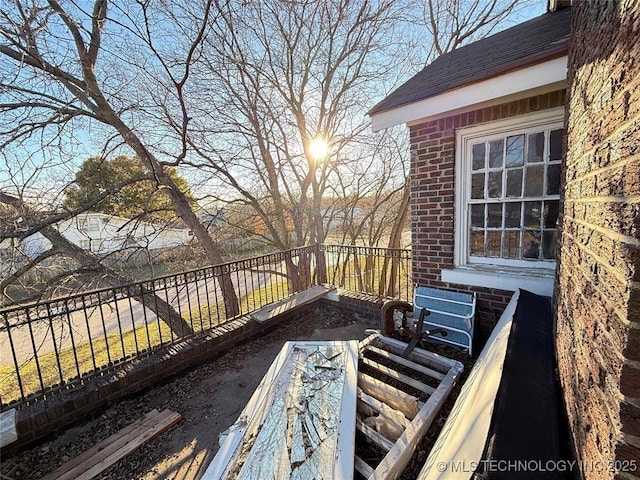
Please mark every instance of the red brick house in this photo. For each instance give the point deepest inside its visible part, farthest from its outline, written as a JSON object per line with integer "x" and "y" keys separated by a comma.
{"x": 503, "y": 199}
{"x": 485, "y": 126}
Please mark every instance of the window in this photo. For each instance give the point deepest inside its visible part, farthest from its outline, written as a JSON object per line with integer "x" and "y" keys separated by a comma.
{"x": 94, "y": 224}
{"x": 508, "y": 196}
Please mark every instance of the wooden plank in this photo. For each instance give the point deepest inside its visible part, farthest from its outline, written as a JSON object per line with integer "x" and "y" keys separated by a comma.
{"x": 407, "y": 363}
{"x": 407, "y": 380}
{"x": 377, "y": 439}
{"x": 382, "y": 408}
{"x": 303, "y": 421}
{"x": 290, "y": 303}
{"x": 100, "y": 457}
{"x": 395, "y": 461}
{"x": 419, "y": 355}
{"x": 407, "y": 404}
{"x": 363, "y": 467}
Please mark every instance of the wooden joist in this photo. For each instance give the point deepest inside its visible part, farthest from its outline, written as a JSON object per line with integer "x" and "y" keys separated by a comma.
{"x": 406, "y": 379}
{"x": 402, "y": 401}
{"x": 378, "y": 402}
{"x": 395, "y": 461}
{"x": 374, "y": 436}
{"x": 98, "y": 458}
{"x": 363, "y": 467}
{"x": 406, "y": 363}
{"x": 419, "y": 355}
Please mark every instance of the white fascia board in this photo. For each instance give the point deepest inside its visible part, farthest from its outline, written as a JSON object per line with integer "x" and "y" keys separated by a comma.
{"x": 536, "y": 77}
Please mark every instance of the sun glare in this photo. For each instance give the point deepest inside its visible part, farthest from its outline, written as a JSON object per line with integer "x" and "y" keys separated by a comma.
{"x": 319, "y": 148}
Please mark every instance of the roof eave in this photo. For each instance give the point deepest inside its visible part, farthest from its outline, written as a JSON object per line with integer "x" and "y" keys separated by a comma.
{"x": 533, "y": 77}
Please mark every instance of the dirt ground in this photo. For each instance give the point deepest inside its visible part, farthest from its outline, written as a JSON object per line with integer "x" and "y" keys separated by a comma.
{"x": 209, "y": 398}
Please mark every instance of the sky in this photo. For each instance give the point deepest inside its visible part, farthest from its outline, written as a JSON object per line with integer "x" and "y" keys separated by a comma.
{"x": 27, "y": 165}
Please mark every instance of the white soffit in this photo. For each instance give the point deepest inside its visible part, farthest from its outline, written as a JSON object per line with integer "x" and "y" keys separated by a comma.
{"x": 539, "y": 76}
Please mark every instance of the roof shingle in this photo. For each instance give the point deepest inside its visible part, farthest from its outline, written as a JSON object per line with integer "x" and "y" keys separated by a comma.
{"x": 534, "y": 41}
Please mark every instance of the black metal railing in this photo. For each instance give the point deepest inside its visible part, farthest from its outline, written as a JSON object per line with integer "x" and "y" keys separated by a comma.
{"x": 385, "y": 272}
{"x": 62, "y": 342}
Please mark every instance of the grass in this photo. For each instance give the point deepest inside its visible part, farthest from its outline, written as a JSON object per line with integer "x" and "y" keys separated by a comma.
{"x": 105, "y": 351}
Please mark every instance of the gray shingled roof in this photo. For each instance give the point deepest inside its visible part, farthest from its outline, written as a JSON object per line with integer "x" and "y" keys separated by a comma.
{"x": 539, "y": 39}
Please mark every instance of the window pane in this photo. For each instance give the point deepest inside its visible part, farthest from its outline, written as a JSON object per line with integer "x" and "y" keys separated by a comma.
{"x": 531, "y": 244}
{"x": 514, "y": 182}
{"x": 551, "y": 210}
{"x": 511, "y": 245}
{"x": 496, "y": 150}
{"x": 494, "y": 215}
{"x": 477, "y": 216}
{"x": 533, "y": 181}
{"x": 493, "y": 244}
{"x": 495, "y": 184}
{"x": 535, "y": 147}
{"x": 477, "y": 185}
{"x": 553, "y": 179}
{"x": 555, "y": 145}
{"x": 549, "y": 243}
{"x": 512, "y": 215}
{"x": 515, "y": 151}
{"x": 478, "y": 156}
{"x": 477, "y": 243}
{"x": 532, "y": 214}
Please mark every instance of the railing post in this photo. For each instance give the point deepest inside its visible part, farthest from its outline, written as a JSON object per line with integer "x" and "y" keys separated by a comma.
{"x": 321, "y": 264}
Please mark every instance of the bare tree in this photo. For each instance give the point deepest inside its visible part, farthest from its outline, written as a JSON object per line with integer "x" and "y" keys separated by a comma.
{"x": 453, "y": 23}
{"x": 88, "y": 263}
{"x": 280, "y": 75}
{"x": 54, "y": 79}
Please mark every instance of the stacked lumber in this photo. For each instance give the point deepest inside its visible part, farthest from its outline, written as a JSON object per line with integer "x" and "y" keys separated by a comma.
{"x": 395, "y": 409}
{"x": 100, "y": 457}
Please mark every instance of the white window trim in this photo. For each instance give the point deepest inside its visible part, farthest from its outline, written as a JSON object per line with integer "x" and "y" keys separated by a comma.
{"x": 495, "y": 275}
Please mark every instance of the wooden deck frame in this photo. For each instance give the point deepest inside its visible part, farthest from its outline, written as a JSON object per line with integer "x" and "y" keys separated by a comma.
{"x": 428, "y": 363}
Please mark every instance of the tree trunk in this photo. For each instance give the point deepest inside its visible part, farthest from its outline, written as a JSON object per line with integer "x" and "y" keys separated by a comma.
{"x": 390, "y": 289}
{"x": 148, "y": 299}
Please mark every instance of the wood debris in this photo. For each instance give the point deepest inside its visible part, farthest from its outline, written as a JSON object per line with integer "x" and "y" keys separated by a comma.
{"x": 100, "y": 457}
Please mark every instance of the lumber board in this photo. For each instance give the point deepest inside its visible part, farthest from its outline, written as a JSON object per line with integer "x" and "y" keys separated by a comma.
{"x": 381, "y": 408}
{"x": 100, "y": 457}
{"x": 407, "y": 380}
{"x": 407, "y": 404}
{"x": 407, "y": 363}
{"x": 419, "y": 355}
{"x": 395, "y": 461}
{"x": 363, "y": 467}
{"x": 290, "y": 303}
{"x": 377, "y": 439}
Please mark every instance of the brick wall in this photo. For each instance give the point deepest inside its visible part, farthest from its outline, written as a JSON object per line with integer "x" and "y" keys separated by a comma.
{"x": 433, "y": 196}
{"x": 597, "y": 288}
